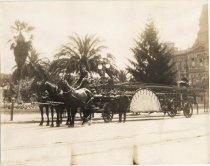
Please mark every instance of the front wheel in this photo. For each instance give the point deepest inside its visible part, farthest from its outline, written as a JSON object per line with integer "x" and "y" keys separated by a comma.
{"x": 188, "y": 110}
{"x": 107, "y": 113}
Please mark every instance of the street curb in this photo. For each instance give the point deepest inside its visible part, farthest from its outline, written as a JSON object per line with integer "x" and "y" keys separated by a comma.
{"x": 19, "y": 122}
{"x": 37, "y": 121}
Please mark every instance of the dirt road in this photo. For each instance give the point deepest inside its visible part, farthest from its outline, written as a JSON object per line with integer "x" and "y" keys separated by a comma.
{"x": 155, "y": 141}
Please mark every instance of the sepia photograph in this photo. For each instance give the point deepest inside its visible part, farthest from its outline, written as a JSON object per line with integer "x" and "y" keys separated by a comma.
{"x": 110, "y": 82}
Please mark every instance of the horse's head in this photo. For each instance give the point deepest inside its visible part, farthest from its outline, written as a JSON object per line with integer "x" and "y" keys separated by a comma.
{"x": 38, "y": 88}
{"x": 37, "y": 85}
{"x": 51, "y": 88}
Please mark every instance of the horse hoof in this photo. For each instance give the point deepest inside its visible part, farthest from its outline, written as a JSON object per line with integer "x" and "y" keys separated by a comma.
{"x": 40, "y": 124}
{"x": 58, "y": 125}
{"x": 70, "y": 125}
{"x": 47, "y": 124}
{"x": 85, "y": 124}
{"x": 52, "y": 125}
{"x": 90, "y": 123}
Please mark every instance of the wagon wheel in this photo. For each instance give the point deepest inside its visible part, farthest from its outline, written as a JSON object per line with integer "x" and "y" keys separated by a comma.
{"x": 188, "y": 110}
{"x": 107, "y": 113}
{"x": 172, "y": 110}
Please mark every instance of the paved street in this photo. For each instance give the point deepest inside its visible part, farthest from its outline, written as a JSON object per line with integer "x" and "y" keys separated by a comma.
{"x": 149, "y": 140}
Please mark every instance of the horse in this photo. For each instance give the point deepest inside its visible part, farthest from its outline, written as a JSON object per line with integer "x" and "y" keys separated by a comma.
{"x": 74, "y": 99}
{"x": 122, "y": 106}
{"x": 57, "y": 102}
{"x": 42, "y": 97}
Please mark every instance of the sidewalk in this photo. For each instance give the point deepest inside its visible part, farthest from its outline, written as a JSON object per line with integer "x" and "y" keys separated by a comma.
{"x": 21, "y": 118}
{"x": 33, "y": 116}
{"x": 24, "y": 116}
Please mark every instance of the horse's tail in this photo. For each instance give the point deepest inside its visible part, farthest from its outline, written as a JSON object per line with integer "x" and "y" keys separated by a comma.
{"x": 89, "y": 94}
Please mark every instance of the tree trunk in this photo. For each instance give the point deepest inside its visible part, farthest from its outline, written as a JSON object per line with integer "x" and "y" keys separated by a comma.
{"x": 19, "y": 83}
{"x": 18, "y": 92}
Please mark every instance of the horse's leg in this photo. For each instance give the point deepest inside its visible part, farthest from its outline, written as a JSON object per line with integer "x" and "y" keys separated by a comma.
{"x": 42, "y": 117}
{"x": 120, "y": 117}
{"x": 124, "y": 118}
{"x": 91, "y": 114}
{"x": 85, "y": 118}
{"x": 73, "y": 113}
{"x": 52, "y": 116}
{"x": 61, "y": 114}
{"x": 73, "y": 117}
{"x": 68, "y": 116}
{"x": 47, "y": 112}
{"x": 58, "y": 116}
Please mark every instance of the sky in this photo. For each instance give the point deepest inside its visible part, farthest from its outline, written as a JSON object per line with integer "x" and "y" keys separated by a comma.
{"x": 117, "y": 23}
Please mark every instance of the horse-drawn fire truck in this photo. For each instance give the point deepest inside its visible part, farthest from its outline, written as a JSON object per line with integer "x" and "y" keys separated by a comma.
{"x": 143, "y": 98}
{"x": 126, "y": 97}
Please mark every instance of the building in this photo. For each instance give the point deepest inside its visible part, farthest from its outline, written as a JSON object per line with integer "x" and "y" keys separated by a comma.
{"x": 193, "y": 63}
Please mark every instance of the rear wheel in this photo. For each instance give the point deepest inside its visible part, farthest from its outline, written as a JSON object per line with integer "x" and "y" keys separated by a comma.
{"x": 107, "y": 112}
{"x": 188, "y": 109}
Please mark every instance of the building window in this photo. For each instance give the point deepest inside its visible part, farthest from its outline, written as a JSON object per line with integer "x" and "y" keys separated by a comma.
{"x": 201, "y": 61}
{"x": 193, "y": 62}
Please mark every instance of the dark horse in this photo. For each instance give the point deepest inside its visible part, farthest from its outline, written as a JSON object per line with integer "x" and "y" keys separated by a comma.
{"x": 42, "y": 98}
{"x": 75, "y": 99}
{"x": 57, "y": 102}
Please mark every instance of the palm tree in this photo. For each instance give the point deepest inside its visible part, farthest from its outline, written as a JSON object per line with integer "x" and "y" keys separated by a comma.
{"x": 78, "y": 54}
{"x": 122, "y": 76}
{"x": 20, "y": 46}
{"x": 34, "y": 68}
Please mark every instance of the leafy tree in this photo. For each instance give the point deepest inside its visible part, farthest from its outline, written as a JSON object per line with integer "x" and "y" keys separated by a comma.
{"x": 4, "y": 79}
{"x": 34, "y": 67}
{"x": 122, "y": 76}
{"x": 153, "y": 59}
{"x": 78, "y": 53}
{"x": 20, "y": 46}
